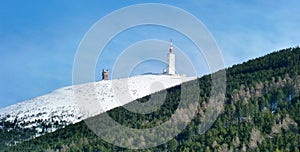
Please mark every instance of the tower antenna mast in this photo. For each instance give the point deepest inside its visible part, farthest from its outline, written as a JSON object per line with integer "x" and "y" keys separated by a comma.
{"x": 171, "y": 46}
{"x": 171, "y": 60}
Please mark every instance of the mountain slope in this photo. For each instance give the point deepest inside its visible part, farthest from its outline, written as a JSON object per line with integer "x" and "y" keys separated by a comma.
{"x": 261, "y": 113}
{"x": 60, "y": 108}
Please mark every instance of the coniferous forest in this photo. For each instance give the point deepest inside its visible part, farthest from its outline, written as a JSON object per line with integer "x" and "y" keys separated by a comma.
{"x": 261, "y": 112}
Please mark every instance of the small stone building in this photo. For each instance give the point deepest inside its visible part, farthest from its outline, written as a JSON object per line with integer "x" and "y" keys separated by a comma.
{"x": 104, "y": 74}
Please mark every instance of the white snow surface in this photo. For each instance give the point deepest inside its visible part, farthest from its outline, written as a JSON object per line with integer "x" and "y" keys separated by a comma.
{"x": 74, "y": 103}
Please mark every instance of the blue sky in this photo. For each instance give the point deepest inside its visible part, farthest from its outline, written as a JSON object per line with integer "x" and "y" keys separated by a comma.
{"x": 38, "y": 39}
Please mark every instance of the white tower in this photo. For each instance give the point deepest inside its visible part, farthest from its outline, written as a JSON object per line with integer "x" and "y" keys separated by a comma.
{"x": 171, "y": 66}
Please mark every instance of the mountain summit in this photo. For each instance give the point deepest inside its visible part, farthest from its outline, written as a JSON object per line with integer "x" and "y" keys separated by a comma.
{"x": 260, "y": 113}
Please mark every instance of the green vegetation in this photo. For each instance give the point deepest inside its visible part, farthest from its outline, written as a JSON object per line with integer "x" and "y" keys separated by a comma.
{"x": 261, "y": 113}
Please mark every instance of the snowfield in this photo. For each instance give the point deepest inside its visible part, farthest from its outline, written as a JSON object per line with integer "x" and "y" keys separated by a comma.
{"x": 72, "y": 104}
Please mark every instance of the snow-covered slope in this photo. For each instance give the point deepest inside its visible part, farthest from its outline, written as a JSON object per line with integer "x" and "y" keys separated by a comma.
{"x": 62, "y": 106}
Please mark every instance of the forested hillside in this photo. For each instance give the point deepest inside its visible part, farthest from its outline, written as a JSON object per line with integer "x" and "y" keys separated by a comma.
{"x": 261, "y": 113}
